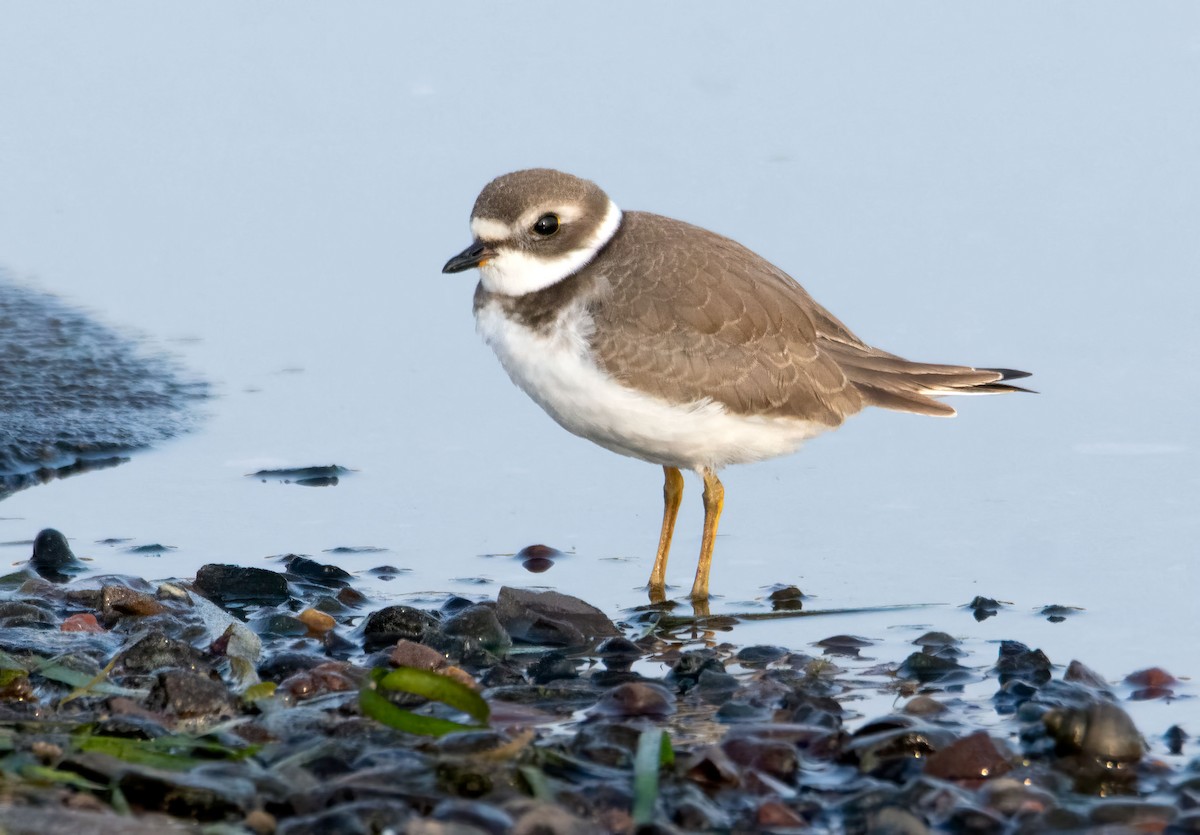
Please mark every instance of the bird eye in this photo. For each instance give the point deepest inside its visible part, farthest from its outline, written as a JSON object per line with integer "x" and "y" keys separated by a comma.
{"x": 546, "y": 225}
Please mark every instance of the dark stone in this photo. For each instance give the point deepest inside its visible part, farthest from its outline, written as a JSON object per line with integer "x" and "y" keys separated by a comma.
{"x": 362, "y": 817}
{"x": 538, "y": 552}
{"x": 116, "y": 601}
{"x": 481, "y": 816}
{"x": 635, "y": 698}
{"x": 687, "y": 669}
{"x": 1175, "y": 738}
{"x": 1017, "y": 661}
{"x": 479, "y": 627}
{"x": 1080, "y": 673}
{"x": 329, "y": 576}
{"x": 501, "y": 675}
{"x": 46, "y": 819}
{"x": 930, "y": 669}
{"x": 1099, "y": 730}
{"x": 552, "y": 666}
{"x": 551, "y": 618}
{"x": 973, "y": 757}
{"x": 619, "y": 653}
{"x": 278, "y": 666}
{"x": 774, "y": 757}
{"x": 393, "y": 623}
{"x": 156, "y": 651}
{"x": 52, "y": 557}
{"x": 187, "y": 794}
{"x": 715, "y": 686}
{"x": 14, "y": 613}
{"x": 610, "y": 743}
{"x": 190, "y": 696}
{"x": 984, "y": 607}
{"x": 760, "y": 654}
{"x": 238, "y": 584}
{"x": 847, "y": 646}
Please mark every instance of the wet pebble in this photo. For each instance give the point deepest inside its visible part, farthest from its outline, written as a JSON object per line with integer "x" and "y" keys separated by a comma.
{"x": 551, "y": 618}
{"x": 481, "y": 816}
{"x": 189, "y": 695}
{"x": 1017, "y": 661}
{"x": 239, "y": 584}
{"x": 847, "y": 646}
{"x": 52, "y": 557}
{"x": 393, "y": 623}
{"x": 686, "y": 670}
{"x": 759, "y": 654}
{"x": 321, "y": 574}
{"x": 984, "y": 607}
{"x": 932, "y": 669}
{"x": 479, "y": 627}
{"x": 116, "y": 601}
{"x": 552, "y": 666}
{"x": 635, "y": 698}
{"x": 156, "y": 651}
{"x": 976, "y": 756}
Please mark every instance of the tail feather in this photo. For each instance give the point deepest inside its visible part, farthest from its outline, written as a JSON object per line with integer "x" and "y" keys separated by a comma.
{"x": 891, "y": 382}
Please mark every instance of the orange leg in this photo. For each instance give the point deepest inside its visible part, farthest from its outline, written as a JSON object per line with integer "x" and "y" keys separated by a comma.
{"x": 714, "y": 503}
{"x": 672, "y": 496}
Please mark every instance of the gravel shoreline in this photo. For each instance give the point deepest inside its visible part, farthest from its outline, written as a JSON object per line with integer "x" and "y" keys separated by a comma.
{"x": 249, "y": 700}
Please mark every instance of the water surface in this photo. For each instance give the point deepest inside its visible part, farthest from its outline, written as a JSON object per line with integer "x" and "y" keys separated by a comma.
{"x": 269, "y": 194}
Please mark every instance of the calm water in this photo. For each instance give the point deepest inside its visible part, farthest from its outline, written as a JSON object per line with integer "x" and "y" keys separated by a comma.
{"x": 268, "y": 193}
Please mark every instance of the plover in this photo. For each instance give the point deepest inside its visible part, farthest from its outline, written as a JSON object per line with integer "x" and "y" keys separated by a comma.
{"x": 669, "y": 343}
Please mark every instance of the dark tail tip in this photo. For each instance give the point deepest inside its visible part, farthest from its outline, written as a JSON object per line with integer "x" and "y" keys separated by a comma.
{"x": 1009, "y": 373}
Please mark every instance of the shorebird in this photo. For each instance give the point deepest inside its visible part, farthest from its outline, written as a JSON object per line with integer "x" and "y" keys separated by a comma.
{"x": 663, "y": 341}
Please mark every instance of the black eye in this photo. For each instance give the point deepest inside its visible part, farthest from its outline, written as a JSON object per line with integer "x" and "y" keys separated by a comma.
{"x": 546, "y": 225}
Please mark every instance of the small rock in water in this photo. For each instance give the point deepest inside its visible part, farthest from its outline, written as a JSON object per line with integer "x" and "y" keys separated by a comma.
{"x": 238, "y": 584}
{"x": 1057, "y": 614}
{"x": 1151, "y": 683}
{"x": 393, "y": 623}
{"x": 930, "y": 669}
{"x": 479, "y": 627}
{"x": 846, "y": 646}
{"x": 321, "y": 574}
{"x": 1175, "y": 738}
{"x": 635, "y": 698}
{"x": 190, "y": 696}
{"x": 553, "y": 666}
{"x": 1017, "y": 661}
{"x": 984, "y": 607}
{"x": 786, "y": 598}
{"x": 52, "y": 557}
{"x": 122, "y": 600}
{"x": 1080, "y": 673}
{"x": 974, "y": 757}
{"x": 550, "y": 617}
{"x": 539, "y": 552}
{"x": 759, "y": 654}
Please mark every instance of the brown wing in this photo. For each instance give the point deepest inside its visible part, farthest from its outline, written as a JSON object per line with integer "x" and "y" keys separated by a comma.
{"x": 691, "y": 315}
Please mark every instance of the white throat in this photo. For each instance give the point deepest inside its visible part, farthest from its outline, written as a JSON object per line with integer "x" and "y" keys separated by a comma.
{"x": 514, "y": 273}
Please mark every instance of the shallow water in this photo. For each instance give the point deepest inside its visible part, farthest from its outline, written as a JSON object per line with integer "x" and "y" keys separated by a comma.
{"x": 270, "y": 203}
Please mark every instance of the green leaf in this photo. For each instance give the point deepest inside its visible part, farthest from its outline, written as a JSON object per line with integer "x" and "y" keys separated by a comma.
{"x": 262, "y": 690}
{"x": 375, "y": 705}
{"x": 646, "y": 762}
{"x": 439, "y": 688}
{"x": 666, "y": 754}
{"x": 175, "y": 753}
{"x": 46, "y": 774}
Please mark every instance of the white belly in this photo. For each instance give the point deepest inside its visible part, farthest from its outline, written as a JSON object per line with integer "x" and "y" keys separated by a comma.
{"x": 557, "y": 371}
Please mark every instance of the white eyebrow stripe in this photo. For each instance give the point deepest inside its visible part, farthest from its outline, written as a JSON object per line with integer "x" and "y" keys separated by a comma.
{"x": 486, "y": 229}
